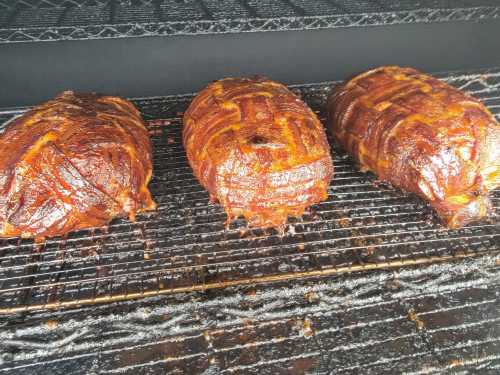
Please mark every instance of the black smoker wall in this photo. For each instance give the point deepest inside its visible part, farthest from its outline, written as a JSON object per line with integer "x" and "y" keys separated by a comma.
{"x": 136, "y": 67}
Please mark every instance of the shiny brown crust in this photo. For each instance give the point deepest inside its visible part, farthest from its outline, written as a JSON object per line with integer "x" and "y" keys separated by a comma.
{"x": 257, "y": 149}
{"x": 421, "y": 135}
{"x": 74, "y": 162}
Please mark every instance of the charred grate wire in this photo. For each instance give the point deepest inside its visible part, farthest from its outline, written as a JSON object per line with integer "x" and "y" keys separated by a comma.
{"x": 184, "y": 246}
{"x": 49, "y": 20}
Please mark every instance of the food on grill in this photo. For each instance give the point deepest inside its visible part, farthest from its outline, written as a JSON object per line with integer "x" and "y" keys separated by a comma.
{"x": 423, "y": 136}
{"x": 74, "y": 162}
{"x": 257, "y": 149}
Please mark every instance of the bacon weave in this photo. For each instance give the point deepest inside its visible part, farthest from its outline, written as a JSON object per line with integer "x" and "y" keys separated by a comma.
{"x": 73, "y": 162}
{"x": 423, "y": 136}
{"x": 257, "y": 149}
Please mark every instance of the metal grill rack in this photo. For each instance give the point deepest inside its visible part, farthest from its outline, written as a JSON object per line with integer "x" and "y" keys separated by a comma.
{"x": 46, "y": 20}
{"x": 428, "y": 319}
{"x": 184, "y": 246}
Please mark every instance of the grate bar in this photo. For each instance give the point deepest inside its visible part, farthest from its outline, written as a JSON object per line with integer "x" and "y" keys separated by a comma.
{"x": 222, "y": 218}
{"x": 399, "y": 261}
{"x": 80, "y": 20}
{"x": 322, "y": 241}
{"x": 241, "y": 282}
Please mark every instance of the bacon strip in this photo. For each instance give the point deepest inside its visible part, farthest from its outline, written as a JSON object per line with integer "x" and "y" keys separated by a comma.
{"x": 74, "y": 162}
{"x": 257, "y": 149}
{"x": 423, "y": 136}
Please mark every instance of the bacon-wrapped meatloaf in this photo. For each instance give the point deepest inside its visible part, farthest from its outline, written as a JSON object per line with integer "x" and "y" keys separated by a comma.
{"x": 74, "y": 162}
{"x": 421, "y": 135}
{"x": 257, "y": 149}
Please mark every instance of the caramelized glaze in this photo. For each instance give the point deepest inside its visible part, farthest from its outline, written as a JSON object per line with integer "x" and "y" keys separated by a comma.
{"x": 421, "y": 135}
{"x": 73, "y": 162}
{"x": 257, "y": 149}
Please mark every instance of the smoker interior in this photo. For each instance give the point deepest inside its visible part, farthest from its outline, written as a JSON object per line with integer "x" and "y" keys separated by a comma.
{"x": 184, "y": 245}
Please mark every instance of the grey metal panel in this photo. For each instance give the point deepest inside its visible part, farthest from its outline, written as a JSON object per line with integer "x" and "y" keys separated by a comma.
{"x": 140, "y": 67}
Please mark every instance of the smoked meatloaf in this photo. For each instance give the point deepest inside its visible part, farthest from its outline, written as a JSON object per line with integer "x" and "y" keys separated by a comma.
{"x": 421, "y": 135}
{"x": 257, "y": 149}
{"x": 74, "y": 162}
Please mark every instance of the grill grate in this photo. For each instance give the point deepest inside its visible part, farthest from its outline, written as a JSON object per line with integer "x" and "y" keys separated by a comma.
{"x": 183, "y": 246}
{"x": 418, "y": 320}
{"x": 45, "y": 20}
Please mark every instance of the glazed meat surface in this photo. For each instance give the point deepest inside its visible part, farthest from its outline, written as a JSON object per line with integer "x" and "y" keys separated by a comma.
{"x": 421, "y": 135}
{"x": 257, "y": 149}
{"x": 74, "y": 162}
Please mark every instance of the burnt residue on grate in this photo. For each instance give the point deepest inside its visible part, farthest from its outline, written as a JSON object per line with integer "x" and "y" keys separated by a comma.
{"x": 416, "y": 320}
{"x": 184, "y": 245}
